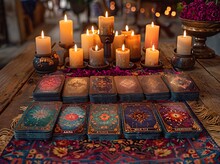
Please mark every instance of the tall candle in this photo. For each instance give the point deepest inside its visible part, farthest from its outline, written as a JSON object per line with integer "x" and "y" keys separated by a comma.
{"x": 43, "y": 44}
{"x": 133, "y": 42}
{"x": 151, "y": 35}
{"x": 66, "y": 31}
{"x": 96, "y": 56}
{"x": 97, "y": 40}
{"x": 184, "y": 44}
{"x": 117, "y": 43}
{"x": 122, "y": 57}
{"x": 151, "y": 56}
{"x": 76, "y": 57}
{"x": 106, "y": 24}
{"x": 127, "y": 31}
{"x": 86, "y": 43}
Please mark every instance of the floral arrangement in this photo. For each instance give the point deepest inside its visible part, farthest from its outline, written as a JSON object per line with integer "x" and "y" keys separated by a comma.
{"x": 200, "y": 10}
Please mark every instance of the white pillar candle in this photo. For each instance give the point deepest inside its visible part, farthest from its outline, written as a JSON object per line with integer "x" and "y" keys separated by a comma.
{"x": 96, "y": 56}
{"x": 106, "y": 24}
{"x": 86, "y": 43}
{"x": 117, "y": 43}
{"x": 151, "y": 35}
{"x": 151, "y": 56}
{"x": 133, "y": 42}
{"x": 184, "y": 44}
{"x": 66, "y": 31}
{"x": 126, "y": 32}
{"x": 76, "y": 57}
{"x": 43, "y": 44}
{"x": 122, "y": 57}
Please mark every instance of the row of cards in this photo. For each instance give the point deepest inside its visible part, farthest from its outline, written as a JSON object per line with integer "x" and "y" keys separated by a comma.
{"x": 109, "y": 89}
{"x": 44, "y": 120}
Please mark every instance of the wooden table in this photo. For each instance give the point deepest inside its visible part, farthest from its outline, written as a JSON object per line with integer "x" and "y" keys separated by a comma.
{"x": 18, "y": 80}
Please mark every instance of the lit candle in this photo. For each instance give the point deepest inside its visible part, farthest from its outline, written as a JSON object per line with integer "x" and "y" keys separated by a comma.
{"x": 96, "y": 56}
{"x": 151, "y": 56}
{"x": 43, "y": 44}
{"x": 86, "y": 43}
{"x": 117, "y": 43}
{"x": 133, "y": 42}
{"x": 126, "y": 32}
{"x": 66, "y": 31}
{"x": 122, "y": 57}
{"x": 106, "y": 24}
{"x": 76, "y": 57}
{"x": 96, "y": 39}
{"x": 184, "y": 44}
{"x": 151, "y": 35}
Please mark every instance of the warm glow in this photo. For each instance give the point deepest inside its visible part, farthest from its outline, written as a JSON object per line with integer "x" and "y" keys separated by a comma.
{"x": 42, "y": 34}
{"x": 123, "y": 47}
{"x": 152, "y": 24}
{"x": 153, "y": 48}
{"x": 75, "y": 47}
{"x": 106, "y": 14}
{"x": 87, "y": 32}
{"x": 98, "y": 31}
{"x": 168, "y": 8}
{"x": 65, "y": 18}
{"x": 96, "y": 48}
{"x": 126, "y": 28}
{"x": 166, "y": 12}
{"x": 142, "y": 10}
{"x": 157, "y": 14}
{"x": 116, "y": 33}
{"x": 184, "y": 33}
{"x": 133, "y": 8}
{"x": 132, "y": 33}
{"x": 173, "y": 13}
{"x": 93, "y": 31}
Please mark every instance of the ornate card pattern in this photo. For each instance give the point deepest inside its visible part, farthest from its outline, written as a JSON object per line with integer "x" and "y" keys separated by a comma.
{"x": 104, "y": 119}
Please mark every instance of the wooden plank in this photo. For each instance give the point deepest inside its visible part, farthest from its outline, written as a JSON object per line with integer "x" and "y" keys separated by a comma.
{"x": 15, "y": 74}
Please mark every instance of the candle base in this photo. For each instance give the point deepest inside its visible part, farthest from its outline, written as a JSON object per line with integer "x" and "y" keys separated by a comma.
{"x": 107, "y": 41}
{"x": 184, "y": 62}
{"x": 66, "y": 47}
{"x": 46, "y": 64}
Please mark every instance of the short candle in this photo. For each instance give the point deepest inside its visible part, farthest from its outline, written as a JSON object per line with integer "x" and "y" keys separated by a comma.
{"x": 122, "y": 57}
{"x": 151, "y": 56}
{"x": 106, "y": 24}
{"x": 184, "y": 44}
{"x": 96, "y": 56}
{"x": 43, "y": 44}
{"x": 117, "y": 43}
{"x": 76, "y": 57}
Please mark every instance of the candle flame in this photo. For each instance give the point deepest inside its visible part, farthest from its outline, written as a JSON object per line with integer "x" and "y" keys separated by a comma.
{"x": 153, "y": 48}
{"x": 106, "y": 14}
{"x": 132, "y": 33}
{"x": 184, "y": 33}
{"x": 126, "y": 28}
{"x": 65, "y": 18}
{"x": 93, "y": 31}
{"x": 42, "y": 34}
{"x": 75, "y": 47}
{"x": 96, "y": 48}
{"x": 98, "y": 31}
{"x": 123, "y": 47}
{"x": 152, "y": 24}
{"x": 87, "y": 32}
{"x": 116, "y": 33}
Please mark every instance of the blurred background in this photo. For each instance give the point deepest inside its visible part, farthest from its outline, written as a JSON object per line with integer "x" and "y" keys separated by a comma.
{"x": 22, "y": 20}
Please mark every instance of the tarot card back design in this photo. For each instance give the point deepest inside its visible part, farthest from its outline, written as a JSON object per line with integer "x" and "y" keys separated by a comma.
{"x": 154, "y": 87}
{"x": 104, "y": 122}
{"x": 177, "y": 120}
{"x": 140, "y": 121}
{"x": 72, "y": 122}
{"x": 76, "y": 89}
{"x": 102, "y": 89}
{"x": 38, "y": 120}
{"x": 182, "y": 87}
{"x": 128, "y": 88}
{"x": 49, "y": 88}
